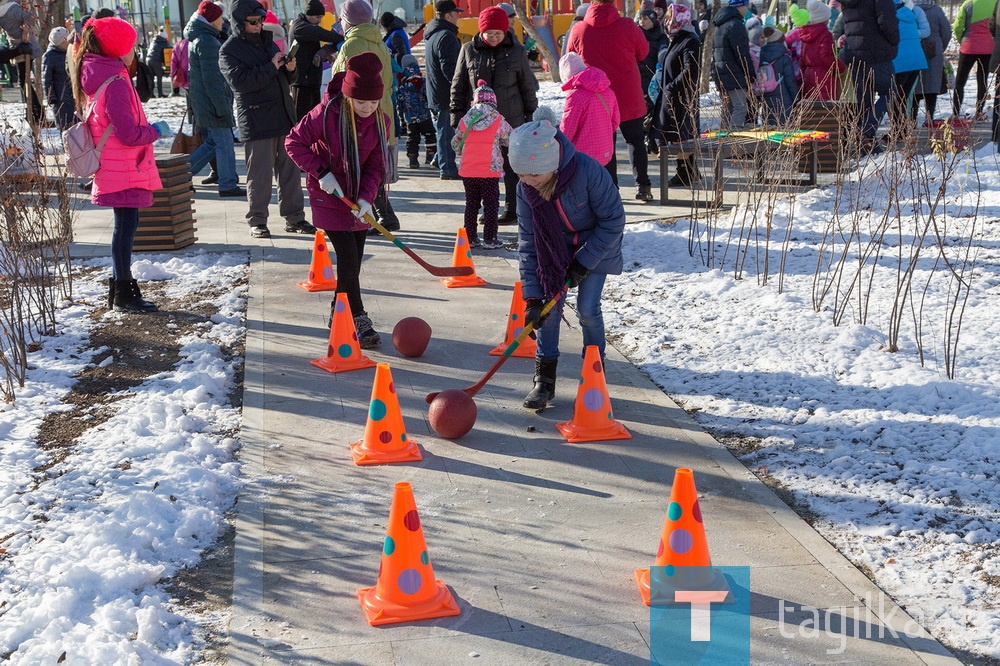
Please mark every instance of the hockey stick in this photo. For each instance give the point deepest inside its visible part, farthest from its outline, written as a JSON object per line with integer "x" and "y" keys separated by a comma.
{"x": 515, "y": 343}
{"x": 440, "y": 271}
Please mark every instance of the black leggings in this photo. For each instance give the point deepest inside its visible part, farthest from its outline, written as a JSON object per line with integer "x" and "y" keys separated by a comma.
{"x": 126, "y": 224}
{"x": 965, "y": 62}
{"x": 350, "y": 248}
{"x": 635, "y": 137}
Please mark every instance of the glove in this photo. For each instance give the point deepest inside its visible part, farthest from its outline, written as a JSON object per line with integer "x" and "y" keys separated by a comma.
{"x": 576, "y": 273}
{"x": 364, "y": 208}
{"x": 162, "y": 128}
{"x": 24, "y": 48}
{"x": 533, "y": 313}
{"x": 330, "y": 185}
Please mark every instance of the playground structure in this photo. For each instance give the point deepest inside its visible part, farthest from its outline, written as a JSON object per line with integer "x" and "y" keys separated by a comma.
{"x": 551, "y": 19}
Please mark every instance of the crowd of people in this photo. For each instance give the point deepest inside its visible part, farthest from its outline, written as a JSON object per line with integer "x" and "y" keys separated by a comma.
{"x": 473, "y": 114}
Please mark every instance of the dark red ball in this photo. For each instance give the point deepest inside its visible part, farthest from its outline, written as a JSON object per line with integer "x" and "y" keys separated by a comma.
{"x": 411, "y": 336}
{"x": 452, "y": 414}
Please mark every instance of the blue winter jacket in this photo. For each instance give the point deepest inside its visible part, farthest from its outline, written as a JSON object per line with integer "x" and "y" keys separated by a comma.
{"x": 593, "y": 210}
{"x": 910, "y": 56}
{"x": 779, "y": 101}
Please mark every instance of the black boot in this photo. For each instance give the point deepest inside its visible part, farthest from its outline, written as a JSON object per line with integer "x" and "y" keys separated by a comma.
{"x": 683, "y": 175}
{"x": 693, "y": 172}
{"x": 111, "y": 292}
{"x": 386, "y": 215}
{"x": 414, "y": 160}
{"x": 128, "y": 298}
{"x": 545, "y": 385}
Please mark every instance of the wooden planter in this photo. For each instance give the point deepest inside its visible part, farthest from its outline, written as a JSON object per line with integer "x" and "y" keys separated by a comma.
{"x": 169, "y": 223}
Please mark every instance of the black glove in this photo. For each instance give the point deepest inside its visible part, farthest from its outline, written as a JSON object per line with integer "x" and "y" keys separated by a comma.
{"x": 533, "y": 313}
{"x": 576, "y": 273}
{"x": 24, "y": 48}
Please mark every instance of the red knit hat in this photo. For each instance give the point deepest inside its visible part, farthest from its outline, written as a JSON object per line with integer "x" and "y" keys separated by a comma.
{"x": 209, "y": 10}
{"x": 363, "y": 79}
{"x": 115, "y": 36}
{"x": 493, "y": 18}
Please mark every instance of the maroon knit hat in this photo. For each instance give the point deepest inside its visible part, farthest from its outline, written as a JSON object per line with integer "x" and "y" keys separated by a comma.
{"x": 363, "y": 79}
{"x": 209, "y": 10}
{"x": 493, "y": 18}
{"x": 115, "y": 36}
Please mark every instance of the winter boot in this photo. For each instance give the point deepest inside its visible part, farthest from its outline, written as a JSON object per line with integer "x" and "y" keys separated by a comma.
{"x": 128, "y": 298}
{"x": 683, "y": 175}
{"x": 430, "y": 158}
{"x": 545, "y": 385}
{"x": 111, "y": 293}
{"x": 367, "y": 337}
{"x": 693, "y": 173}
{"x": 644, "y": 193}
{"x": 386, "y": 215}
{"x": 414, "y": 160}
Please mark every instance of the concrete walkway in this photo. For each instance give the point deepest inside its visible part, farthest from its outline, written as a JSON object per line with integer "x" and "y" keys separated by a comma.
{"x": 536, "y": 538}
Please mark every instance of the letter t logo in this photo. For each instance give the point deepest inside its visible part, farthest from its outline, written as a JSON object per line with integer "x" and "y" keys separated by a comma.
{"x": 701, "y": 603}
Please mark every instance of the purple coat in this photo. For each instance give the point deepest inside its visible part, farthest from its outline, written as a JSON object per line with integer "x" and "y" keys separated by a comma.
{"x": 314, "y": 145}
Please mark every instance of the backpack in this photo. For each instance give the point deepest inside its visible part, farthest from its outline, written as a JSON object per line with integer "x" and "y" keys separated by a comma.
{"x": 83, "y": 158}
{"x": 143, "y": 80}
{"x": 767, "y": 79}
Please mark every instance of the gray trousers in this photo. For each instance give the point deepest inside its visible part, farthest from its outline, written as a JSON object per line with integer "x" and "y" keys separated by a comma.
{"x": 265, "y": 157}
{"x": 736, "y": 111}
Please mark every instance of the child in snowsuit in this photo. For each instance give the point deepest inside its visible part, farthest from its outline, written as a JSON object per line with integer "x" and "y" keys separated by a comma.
{"x": 413, "y": 109}
{"x": 590, "y": 115}
{"x": 343, "y": 148}
{"x": 477, "y": 141}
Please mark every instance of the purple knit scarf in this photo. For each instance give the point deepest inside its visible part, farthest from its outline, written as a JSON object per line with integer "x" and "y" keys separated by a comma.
{"x": 550, "y": 244}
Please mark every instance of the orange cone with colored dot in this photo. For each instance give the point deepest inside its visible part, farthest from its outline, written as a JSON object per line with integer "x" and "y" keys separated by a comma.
{"x": 515, "y": 324}
{"x": 321, "y": 275}
{"x": 406, "y": 590}
{"x": 682, "y": 559}
{"x": 385, "y": 439}
{"x": 593, "y": 420}
{"x": 343, "y": 352}
{"x": 462, "y": 256}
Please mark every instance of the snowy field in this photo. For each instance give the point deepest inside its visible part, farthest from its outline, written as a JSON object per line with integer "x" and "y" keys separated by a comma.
{"x": 896, "y": 462}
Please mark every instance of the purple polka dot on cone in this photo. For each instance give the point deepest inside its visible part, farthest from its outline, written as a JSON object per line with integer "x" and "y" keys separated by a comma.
{"x": 593, "y": 399}
{"x": 681, "y": 541}
{"x": 409, "y": 581}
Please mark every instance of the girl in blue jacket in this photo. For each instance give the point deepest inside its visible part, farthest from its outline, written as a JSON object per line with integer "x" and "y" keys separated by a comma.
{"x": 570, "y": 226}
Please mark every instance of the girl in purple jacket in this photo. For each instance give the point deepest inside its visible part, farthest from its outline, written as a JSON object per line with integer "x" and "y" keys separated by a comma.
{"x": 341, "y": 145}
{"x": 127, "y": 175}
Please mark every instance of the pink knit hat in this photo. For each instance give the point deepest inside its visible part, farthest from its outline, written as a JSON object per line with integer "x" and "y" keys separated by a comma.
{"x": 484, "y": 94}
{"x": 115, "y": 36}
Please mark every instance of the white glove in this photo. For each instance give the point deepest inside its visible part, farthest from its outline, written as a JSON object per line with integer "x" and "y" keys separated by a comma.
{"x": 330, "y": 185}
{"x": 364, "y": 208}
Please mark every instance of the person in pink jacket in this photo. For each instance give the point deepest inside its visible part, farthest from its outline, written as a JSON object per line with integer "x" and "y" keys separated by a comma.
{"x": 127, "y": 175}
{"x": 342, "y": 145}
{"x": 615, "y": 44}
{"x": 590, "y": 115}
{"x": 820, "y": 67}
{"x": 478, "y": 139}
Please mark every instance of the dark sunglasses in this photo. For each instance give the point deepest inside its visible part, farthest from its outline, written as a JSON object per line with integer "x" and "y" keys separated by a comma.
{"x": 253, "y": 21}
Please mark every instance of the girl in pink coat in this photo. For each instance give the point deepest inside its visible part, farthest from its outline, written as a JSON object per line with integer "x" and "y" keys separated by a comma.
{"x": 820, "y": 67}
{"x": 478, "y": 138}
{"x": 590, "y": 116}
{"x": 127, "y": 175}
{"x": 342, "y": 146}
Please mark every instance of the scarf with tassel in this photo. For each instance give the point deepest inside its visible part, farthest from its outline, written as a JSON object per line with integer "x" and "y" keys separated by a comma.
{"x": 550, "y": 244}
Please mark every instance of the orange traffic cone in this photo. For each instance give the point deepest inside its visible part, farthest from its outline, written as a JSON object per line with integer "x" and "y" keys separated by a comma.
{"x": 592, "y": 419}
{"x": 343, "y": 352}
{"x": 321, "y": 276}
{"x": 385, "y": 438}
{"x": 515, "y": 324}
{"x": 682, "y": 559}
{"x": 406, "y": 590}
{"x": 462, "y": 256}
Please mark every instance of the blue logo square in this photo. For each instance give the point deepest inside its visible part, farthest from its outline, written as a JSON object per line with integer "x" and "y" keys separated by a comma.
{"x": 699, "y": 615}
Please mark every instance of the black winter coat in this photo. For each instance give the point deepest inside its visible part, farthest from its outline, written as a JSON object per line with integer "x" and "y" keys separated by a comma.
{"x": 871, "y": 30}
{"x": 308, "y": 37}
{"x": 154, "y": 56}
{"x": 58, "y": 88}
{"x": 440, "y": 57}
{"x": 657, "y": 39}
{"x": 264, "y": 108}
{"x": 676, "y": 115}
{"x": 505, "y": 69}
{"x": 732, "y": 67}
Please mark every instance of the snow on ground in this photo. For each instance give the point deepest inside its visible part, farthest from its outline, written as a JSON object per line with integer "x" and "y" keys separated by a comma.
{"x": 87, "y": 546}
{"x": 898, "y": 463}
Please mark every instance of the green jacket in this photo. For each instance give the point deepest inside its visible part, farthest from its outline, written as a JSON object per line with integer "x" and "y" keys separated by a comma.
{"x": 361, "y": 39}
